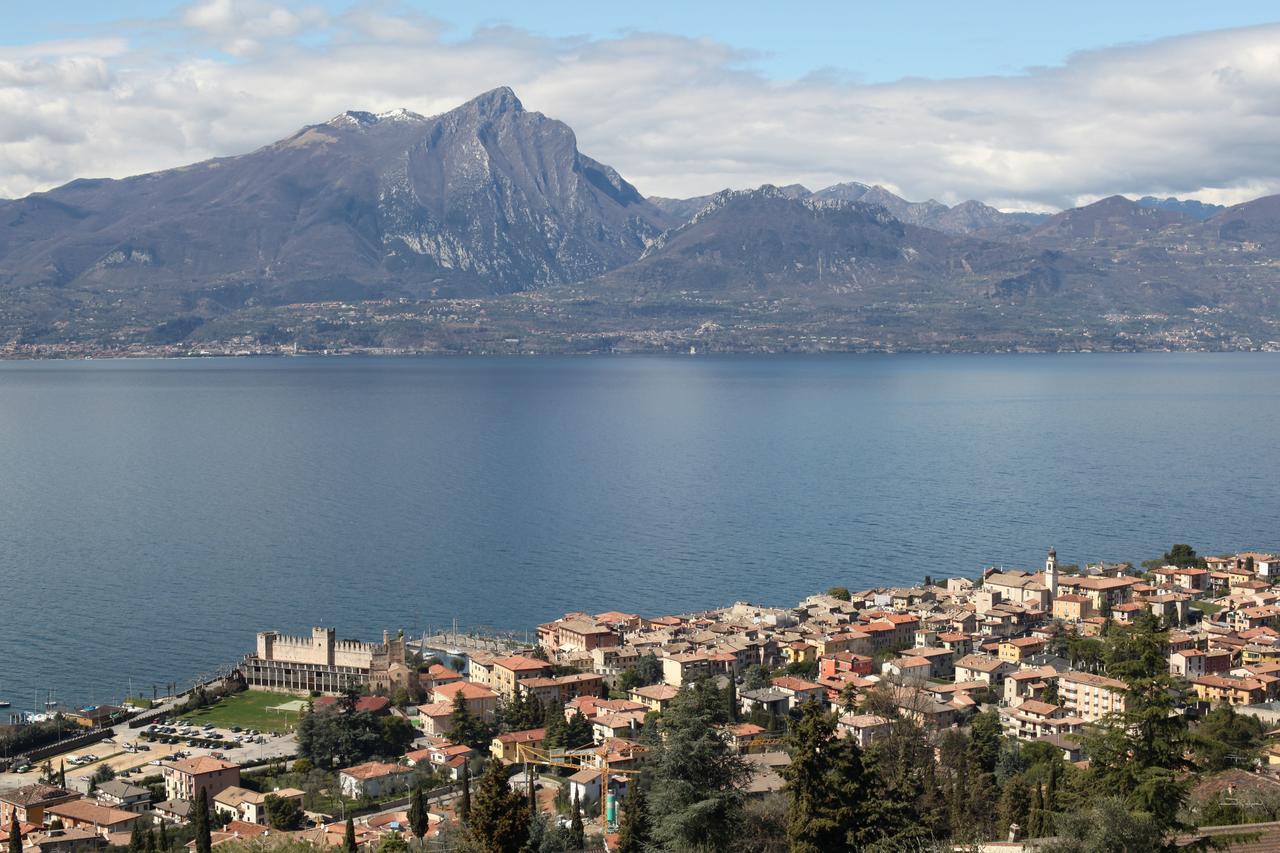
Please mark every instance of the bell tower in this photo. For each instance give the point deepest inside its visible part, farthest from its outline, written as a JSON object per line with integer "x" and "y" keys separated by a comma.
{"x": 1051, "y": 573}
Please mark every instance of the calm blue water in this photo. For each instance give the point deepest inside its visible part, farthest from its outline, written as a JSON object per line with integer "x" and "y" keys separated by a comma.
{"x": 155, "y": 515}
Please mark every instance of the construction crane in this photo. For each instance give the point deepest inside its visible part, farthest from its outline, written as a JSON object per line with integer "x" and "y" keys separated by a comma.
{"x": 565, "y": 758}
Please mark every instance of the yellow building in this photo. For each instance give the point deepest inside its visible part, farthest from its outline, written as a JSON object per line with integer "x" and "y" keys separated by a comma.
{"x": 1091, "y": 697}
{"x": 1072, "y": 607}
{"x": 1021, "y": 648}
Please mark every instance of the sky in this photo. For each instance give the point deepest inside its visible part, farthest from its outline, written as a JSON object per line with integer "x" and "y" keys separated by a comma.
{"x": 1020, "y": 105}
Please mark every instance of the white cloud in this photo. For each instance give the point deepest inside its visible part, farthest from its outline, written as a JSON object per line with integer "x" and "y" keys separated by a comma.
{"x": 1191, "y": 116}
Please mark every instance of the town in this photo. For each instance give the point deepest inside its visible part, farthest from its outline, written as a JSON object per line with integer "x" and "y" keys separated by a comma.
{"x": 1021, "y": 710}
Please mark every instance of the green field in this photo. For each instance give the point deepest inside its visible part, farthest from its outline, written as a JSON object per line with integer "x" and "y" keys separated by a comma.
{"x": 248, "y": 710}
{"x": 1206, "y": 606}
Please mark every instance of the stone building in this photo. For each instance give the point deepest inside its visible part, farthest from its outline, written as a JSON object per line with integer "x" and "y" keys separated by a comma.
{"x": 324, "y": 664}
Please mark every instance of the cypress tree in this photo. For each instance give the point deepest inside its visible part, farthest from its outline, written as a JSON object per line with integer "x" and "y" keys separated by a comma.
{"x": 204, "y": 839}
{"x": 15, "y": 835}
{"x": 464, "y": 805}
{"x": 62, "y": 774}
{"x": 633, "y": 830}
{"x": 162, "y": 842}
{"x": 731, "y": 699}
{"x": 349, "y": 838}
{"x": 149, "y": 841}
{"x": 1035, "y": 818}
{"x": 418, "y": 820}
{"x": 137, "y": 844}
{"x": 578, "y": 831}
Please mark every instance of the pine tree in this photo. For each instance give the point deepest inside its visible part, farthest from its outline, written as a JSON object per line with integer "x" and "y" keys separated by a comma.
{"x": 349, "y": 837}
{"x": 464, "y": 726}
{"x": 15, "y": 835}
{"x": 556, "y": 726}
{"x": 697, "y": 798}
{"x": 498, "y": 820}
{"x": 633, "y": 831}
{"x": 418, "y": 820}
{"x": 203, "y": 837}
{"x": 576, "y": 828}
{"x": 464, "y": 804}
{"x": 828, "y": 788}
{"x": 578, "y": 733}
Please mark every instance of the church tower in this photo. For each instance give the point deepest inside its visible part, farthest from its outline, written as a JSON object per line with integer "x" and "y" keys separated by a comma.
{"x": 1051, "y": 574}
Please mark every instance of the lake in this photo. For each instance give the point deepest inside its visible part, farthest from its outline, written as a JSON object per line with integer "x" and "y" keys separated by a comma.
{"x": 156, "y": 514}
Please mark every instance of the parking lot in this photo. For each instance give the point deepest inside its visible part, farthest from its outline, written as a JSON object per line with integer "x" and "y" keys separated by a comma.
{"x": 131, "y": 755}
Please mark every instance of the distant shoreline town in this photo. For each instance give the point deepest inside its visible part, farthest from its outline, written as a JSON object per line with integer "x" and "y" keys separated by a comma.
{"x": 1041, "y": 666}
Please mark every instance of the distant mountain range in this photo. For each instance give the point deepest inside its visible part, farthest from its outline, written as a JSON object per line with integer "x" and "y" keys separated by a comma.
{"x": 485, "y": 229}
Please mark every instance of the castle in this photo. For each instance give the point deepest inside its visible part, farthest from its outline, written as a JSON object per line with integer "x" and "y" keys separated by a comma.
{"x": 322, "y": 663}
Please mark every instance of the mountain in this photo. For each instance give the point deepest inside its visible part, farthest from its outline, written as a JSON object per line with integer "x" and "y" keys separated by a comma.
{"x": 484, "y": 229}
{"x": 683, "y": 209}
{"x": 969, "y": 217}
{"x": 770, "y": 240}
{"x": 1113, "y": 218}
{"x": 1191, "y": 207}
{"x": 1256, "y": 222}
{"x": 486, "y": 198}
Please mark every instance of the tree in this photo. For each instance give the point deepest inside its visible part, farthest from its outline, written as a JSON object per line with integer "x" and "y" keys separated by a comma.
{"x": 827, "y": 786}
{"x": 1184, "y": 557}
{"x": 204, "y": 841}
{"x": 283, "y": 813}
{"x": 556, "y": 726}
{"x": 349, "y": 837}
{"x": 985, "y": 735}
{"x": 498, "y": 820}
{"x": 633, "y": 829}
{"x": 755, "y": 677}
{"x": 15, "y": 834}
{"x": 464, "y": 726}
{"x": 731, "y": 700}
{"x": 1013, "y": 804}
{"x": 576, "y": 827}
{"x": 1226, "y": 739}
{"x": 137, "y": 842}
{"x": 1108, "y": 827}
{"x": 578, "y": 732}
{"x": 464, "y": 803}
{"x": 1035, "y": 816}
{"x": 419, "y": 822}
{"x": 162, "y": 839}
{"x": 393, "y": 843}
{"x": 696, "y": 800}
{"x": 840, "y": 592}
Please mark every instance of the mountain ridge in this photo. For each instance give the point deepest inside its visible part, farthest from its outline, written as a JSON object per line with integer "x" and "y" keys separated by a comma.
{"x": 486, "y": 225}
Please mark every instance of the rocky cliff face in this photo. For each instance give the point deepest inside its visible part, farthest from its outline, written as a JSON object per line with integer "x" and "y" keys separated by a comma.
{"x": 487, "y": 198}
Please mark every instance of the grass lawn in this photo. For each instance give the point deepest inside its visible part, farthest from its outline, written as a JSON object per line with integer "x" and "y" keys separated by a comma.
{"x": 1206, "y": 606}
{"x": 250, "y": 709}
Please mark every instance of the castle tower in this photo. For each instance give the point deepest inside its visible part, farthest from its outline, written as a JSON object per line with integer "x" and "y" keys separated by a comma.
{"x": 1051, "y": 574}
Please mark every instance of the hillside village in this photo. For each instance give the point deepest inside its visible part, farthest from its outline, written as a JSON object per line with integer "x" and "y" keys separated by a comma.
{"x": 1030, "y": 663}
